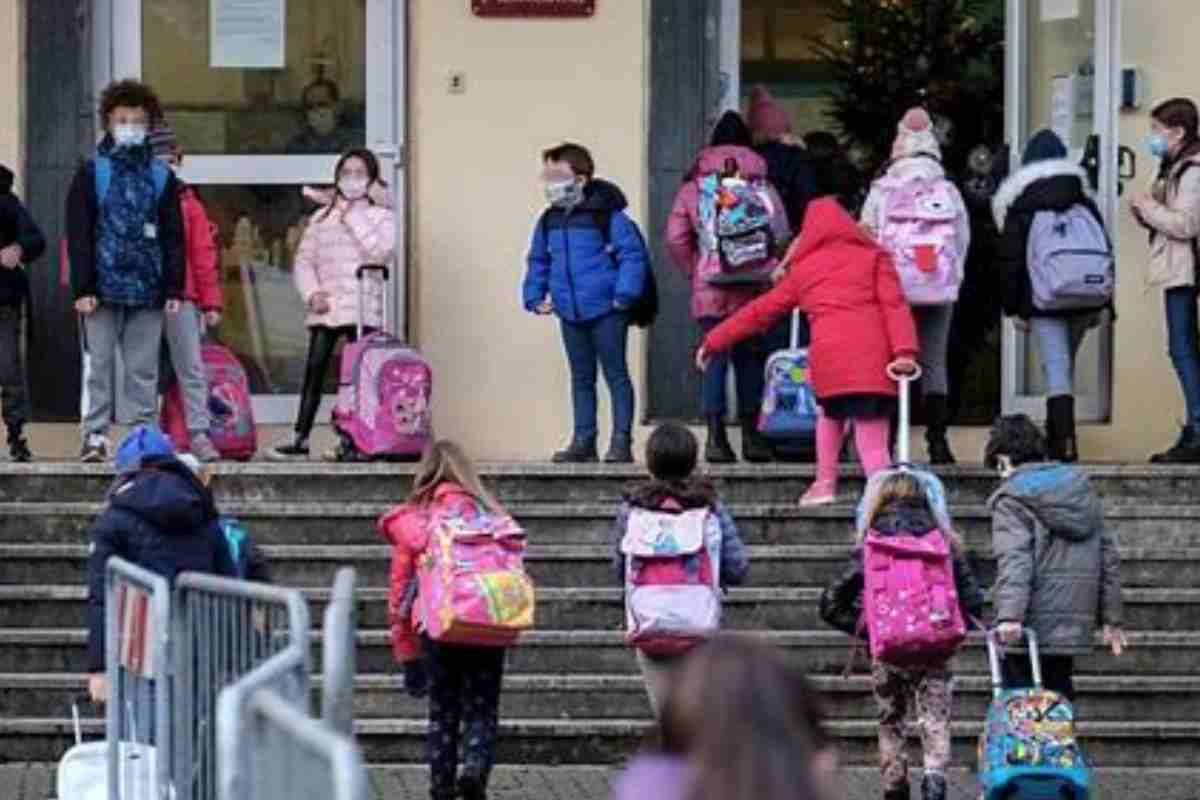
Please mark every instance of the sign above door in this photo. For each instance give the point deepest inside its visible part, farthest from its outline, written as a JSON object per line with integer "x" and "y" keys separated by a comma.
{"x": 533, "y": 8}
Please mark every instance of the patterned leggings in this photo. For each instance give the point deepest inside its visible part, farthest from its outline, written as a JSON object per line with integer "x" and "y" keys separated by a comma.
{"x": 928, "y": 693}
{"x": 464, "y": 689}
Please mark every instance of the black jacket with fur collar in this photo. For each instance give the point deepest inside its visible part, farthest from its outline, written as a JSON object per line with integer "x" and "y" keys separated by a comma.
{"x": 1054, "y": 185}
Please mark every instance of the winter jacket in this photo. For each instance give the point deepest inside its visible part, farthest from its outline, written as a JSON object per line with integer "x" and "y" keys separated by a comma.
{"x": 1058, "y": 568}
{"x": 675, "y": 498}
{"x": 17, "y": 227}
{"x": 202, "y": 285}
{"x": 1053, "y": 185}
{"x": 841, "y": 603}
{"x": 162, "y": 519}
{"x": 790, "y": 170}
{"x": 406, "y": 528}
{"x": 1174, "y": 226}
{"x": 335, "y": 244}
{"x": 654, "y": 776}
{"x": 683, "y": 231}
{"x": 84, "y": 217}
{"x": 586, "y": 275}
{"x": 848, "y": 287}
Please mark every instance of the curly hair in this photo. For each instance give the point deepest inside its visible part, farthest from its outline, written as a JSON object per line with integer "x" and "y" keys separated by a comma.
{"x": 1018, "y": 438}
{"x": 130, "y": 94}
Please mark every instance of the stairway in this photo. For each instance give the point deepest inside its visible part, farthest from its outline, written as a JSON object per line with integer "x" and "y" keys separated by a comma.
{"x": 572, "y": 692}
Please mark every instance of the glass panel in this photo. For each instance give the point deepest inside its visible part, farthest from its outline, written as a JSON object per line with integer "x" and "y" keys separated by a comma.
{"x": 315, "y": 104}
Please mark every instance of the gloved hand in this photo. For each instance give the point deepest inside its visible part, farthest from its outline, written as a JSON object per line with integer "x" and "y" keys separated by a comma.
{"x": 416, "y": 678}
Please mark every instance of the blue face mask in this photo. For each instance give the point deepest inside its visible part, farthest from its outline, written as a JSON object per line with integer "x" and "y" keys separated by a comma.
{"x": 1156, "y": 143}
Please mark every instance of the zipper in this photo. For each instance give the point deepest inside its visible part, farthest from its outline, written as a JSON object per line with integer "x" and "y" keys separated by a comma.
{"x": 566, "y": 227}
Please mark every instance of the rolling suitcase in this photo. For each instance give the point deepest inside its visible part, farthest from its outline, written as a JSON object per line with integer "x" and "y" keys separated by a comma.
{"x": 83, "y": 770}
{"x": 788, "y": 419}
{"x": 383, "y": 402}
{"x": 231, "y": 413}
{"x": 1028, "y": 748}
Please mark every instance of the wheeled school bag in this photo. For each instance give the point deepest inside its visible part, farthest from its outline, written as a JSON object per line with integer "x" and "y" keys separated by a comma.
{"x": 383, "y": 402}
{"x": 918, "y": 226}
{"x": 788, "y": 419}
{"x": 230, "y": 410}
{"x": 1028, "y": 748}
{"x": 82, "y": 772}
{"x": 1070, "y": 258}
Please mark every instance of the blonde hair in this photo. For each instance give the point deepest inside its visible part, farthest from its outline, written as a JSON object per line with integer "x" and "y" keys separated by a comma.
{"x": 446, "y": 462}
{"x": 901, "y": 488}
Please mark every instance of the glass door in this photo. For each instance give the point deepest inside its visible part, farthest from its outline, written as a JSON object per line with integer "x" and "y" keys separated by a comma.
{"x": 1063, "y": 63}
{"x": 264, "y": 95}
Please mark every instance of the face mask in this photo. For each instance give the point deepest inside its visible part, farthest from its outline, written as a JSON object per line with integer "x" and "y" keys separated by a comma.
{"x": 129, "y": 135}
{"x": 322, "y": 120}
{"x": 1157, "y": 145}
{"x": 352, "y": 188}
{"x": 565, "y": 193}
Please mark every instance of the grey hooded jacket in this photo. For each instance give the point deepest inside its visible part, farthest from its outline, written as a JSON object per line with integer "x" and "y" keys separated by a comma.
{"x": 1058, "y": 570}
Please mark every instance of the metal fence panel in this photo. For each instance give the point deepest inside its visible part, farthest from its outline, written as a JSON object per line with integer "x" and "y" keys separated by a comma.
{"x": 339, "y": 664}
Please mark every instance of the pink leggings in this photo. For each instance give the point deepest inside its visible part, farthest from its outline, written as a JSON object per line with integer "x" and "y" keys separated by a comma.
{"x": 870, "y": 439}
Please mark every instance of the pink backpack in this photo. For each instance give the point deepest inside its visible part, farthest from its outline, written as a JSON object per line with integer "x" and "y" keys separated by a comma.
{"x": 472, "y": 584}
{"x": 672, "y": 579}
{"x": 910, "y": 599}
{"x": 383, "y": 398}
{"x": 231, "y": 414}
{"x": 919, "y": 227}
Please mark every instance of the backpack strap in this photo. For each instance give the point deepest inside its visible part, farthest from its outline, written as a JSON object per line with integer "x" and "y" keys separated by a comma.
{"x": 159, "y": 173}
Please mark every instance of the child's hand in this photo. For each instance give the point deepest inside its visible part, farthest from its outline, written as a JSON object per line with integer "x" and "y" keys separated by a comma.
{"x": 703, "y": 358}
{"x": 321, "y": 197}
{"x": 903, "y": 366}
{"x": 545, "y": 308}
{"x": 85, "y": 305}
{"x": 319, "y": 303}
{"x": 1115, "y": 639}
{"x": 98, "y": 688}
{"x": 10, "y": 257}
{"x": 174, "y": 306}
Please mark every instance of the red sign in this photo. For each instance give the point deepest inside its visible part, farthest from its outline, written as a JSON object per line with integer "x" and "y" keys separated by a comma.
{"x": 533, "y": 8}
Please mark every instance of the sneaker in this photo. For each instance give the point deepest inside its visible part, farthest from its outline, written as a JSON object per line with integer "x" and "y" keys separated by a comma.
{"x": 820, "y": 493}
{"x": 203, "y": 448}
{"x": 95, "y": 449}
{"x": 289, "y": 450}
{"x": 18, "y": 450}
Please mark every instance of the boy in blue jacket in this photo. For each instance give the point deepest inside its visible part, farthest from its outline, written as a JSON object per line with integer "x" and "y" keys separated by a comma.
{"x": 588, "y": 264}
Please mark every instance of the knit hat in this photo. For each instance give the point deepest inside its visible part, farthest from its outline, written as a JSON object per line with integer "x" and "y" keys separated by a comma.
{"x": 914, "y": 135}
{"x": 142, "y": 443}
{"x": 767, "y": 120}
{"x": 731, "y": 130}
{"x": 1044, "y": 146}
{"x": 162, "y": 140}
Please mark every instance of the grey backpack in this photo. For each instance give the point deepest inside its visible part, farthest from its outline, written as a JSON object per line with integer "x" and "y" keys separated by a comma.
{"x": 1070, "y": 260}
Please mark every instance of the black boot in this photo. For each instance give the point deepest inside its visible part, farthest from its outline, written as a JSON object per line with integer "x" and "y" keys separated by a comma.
{"x": 1060, "y": 429}
{"x": 755, "y": 449}
{"x": 933, "y": 786}
{"x": 718, "y": 450}
{"x": 620, "y": 451}
{"x": 899, "y": 793}
{"x": 1184, "y": 451}
{"x": 579, "y": 451}
{"x": 937, "y": 417}
{"x": 18, "y": 448}
{"x": 472, "y": 785}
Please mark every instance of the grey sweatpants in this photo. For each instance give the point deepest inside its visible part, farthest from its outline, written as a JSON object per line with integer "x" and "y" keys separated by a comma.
{"x": 933, "y": 332}
{"x": 183, "y": 331}
{"x": 137, "y": 332}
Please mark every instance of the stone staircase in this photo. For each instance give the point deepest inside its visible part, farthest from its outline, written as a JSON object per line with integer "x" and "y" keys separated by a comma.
{"x": 572, "y": 692}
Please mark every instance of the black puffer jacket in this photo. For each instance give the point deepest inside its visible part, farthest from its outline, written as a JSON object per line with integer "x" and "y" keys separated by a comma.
{"x": 790, "y": 170}
{"x": 16, "y": 227}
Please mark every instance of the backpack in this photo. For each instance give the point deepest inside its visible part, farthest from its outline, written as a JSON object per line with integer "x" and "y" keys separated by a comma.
{"x": 672, "y": 579}
{"x": 237, "y": 539}
{"x": 472, "y": 584}
{"x": 919, "y": 228}
{"x": 230, "y": 410}
{"x": 910, "y": 599}
{"x": 1070, "y": 259}
{"x": 735, "y": 223}
{"x": 159, "y": 172}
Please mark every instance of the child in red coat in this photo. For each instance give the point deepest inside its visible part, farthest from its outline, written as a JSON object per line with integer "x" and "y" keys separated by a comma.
{"x": 861, "y": 326}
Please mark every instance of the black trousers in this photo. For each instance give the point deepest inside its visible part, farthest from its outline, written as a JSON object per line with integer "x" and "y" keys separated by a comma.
{"x": 13, "y": 387}
{"x": 322, "y": 344}
{"x": 1056, "y": 673}
{"x": 464, "y": 691}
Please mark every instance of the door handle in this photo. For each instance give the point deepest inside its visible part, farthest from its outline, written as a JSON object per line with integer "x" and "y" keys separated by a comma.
{"x": 1091, "y": 161}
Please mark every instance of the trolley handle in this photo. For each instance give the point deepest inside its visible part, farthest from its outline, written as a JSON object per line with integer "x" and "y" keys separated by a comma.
{"x": 361, "y": 273}
{"x": 903, "y": 422}
{"x": 1035, "y": 659}
{"x": 365, "y": 268}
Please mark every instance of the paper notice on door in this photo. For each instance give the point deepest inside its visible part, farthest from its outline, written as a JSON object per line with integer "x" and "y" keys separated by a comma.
{"x": 1053, "y": 10}
{"x": 1062, "y": 107}
{"x": 247, "y": 34}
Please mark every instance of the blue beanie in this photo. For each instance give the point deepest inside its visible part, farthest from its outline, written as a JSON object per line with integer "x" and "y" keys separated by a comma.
{"x": 1044, "y": 146}
{"x": 143, "y": 442}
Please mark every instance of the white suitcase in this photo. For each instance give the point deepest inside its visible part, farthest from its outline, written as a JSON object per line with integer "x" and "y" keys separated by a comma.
{"x": 83, "y": 770}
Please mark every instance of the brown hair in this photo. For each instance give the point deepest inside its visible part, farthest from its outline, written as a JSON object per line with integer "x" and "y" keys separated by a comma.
{"x": 446, "y": 462}
{"x": 1179, "y": 112}
{"x": 576, "y": 156}
{"x": 903, "y": 489}
{"x": 370, "y": 161}
{"x": 129, "y": 94}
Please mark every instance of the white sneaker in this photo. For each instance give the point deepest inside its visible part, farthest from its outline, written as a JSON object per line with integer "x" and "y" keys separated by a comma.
{"x": 95, "y": 449}
{"x": 203, "y": 448}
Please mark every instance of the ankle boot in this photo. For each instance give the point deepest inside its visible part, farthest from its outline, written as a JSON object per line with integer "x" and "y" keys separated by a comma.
{"x": 755, "y": 449}
{"x": 933, "y": 786}
{"x": 897, "y": 793}
{"x": 18, "y": 447}
{"x": 620, "y": 451}
{"x": 937, "y": 417}
{"x": 1060, "y": 429}
{"x": 718, "y": 450}
{"x": 581, "y": 450}
{"x": 1185, "y": 451}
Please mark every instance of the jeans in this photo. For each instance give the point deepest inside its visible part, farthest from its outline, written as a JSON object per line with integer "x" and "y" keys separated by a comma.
{"x": 183, "y": 332}
{"x": 322, "y": 342}
{"x": 1058, "y": 340}
{"x": 138, "y": 334}
{"x": 13, "y": 387}
{"x": 749, "y": 361}
{"x": 1184, "y": 348}
{"x": 600, "y": 341}
{"x": 464, "y": 692}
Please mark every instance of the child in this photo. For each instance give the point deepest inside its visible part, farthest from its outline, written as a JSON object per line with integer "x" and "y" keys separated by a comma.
{"x": 692, "y": 243}
{"x": 900, "y": 507}
{"x": 126, "y": 245}
{"x": 351, "y": 231}
{"x": 21, "y": 242}
{"x": 1171, "y": 212}
{"x": 463, "y": 682}
{"x": 861, "y": 325}
{"x": 588, "y": 264}
{"x": 1058, "y": 568}
{"x": 249, "y": 561}
{"x": 203, "y": 300}
{"x": 671, "y": 456}
{"x": 916, "y": 165}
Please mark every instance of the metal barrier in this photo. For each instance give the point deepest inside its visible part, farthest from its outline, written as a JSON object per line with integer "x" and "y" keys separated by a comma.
{"x": 137, "y": 620}
{"x": 221, "y": 631}
{"x": 339, "y": 664}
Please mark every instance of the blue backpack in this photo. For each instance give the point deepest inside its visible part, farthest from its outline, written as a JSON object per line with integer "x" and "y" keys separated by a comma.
{"x": 159, "y": 171}
{"x": 237, "y": 539}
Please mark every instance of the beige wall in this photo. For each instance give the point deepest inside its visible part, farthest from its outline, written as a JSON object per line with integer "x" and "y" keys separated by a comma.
{"x": 501, "y": 378}
{"x": 12, "y": 80}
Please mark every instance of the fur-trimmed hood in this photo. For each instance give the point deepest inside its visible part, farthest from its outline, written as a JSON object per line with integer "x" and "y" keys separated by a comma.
{"x": 1010, "y": 192}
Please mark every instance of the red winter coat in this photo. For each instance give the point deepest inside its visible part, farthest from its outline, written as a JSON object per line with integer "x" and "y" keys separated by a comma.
{"x": 848, "y": 287}
{"x": 203, "y": 283}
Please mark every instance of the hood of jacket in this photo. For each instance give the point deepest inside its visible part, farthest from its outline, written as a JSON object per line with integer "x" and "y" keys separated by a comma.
{"x": 827, "y": 223}
{"x": 1059, "y": 495}
{"x": 167, "y": 495}
{"x": 713, "y": 159}
{"x": 904, "y": 519}
{"x": 603, "y": 196}
{"x": 1054, "y": 183}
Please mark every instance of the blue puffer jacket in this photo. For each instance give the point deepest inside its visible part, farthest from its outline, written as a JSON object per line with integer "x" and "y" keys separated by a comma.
{"x": 160, "y": 518}
{"x": 568, "y": 258}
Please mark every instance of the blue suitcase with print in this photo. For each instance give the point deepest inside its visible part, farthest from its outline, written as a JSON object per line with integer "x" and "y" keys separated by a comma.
{"x": 1028, "y": 749}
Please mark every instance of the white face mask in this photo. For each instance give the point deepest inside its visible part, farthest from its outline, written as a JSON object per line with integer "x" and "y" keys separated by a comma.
{"x": 353, "y": 188}
{"x": 129, "y": 135}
